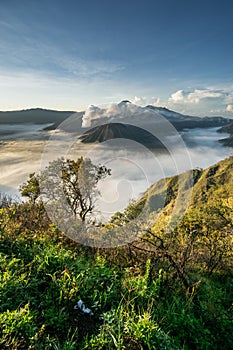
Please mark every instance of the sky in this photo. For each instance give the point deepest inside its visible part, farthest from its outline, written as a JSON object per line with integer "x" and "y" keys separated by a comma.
{"x": 67, "y": 54}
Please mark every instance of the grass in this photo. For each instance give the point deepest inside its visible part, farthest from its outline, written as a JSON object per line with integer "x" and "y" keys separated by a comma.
{"x": 136, "y": 301}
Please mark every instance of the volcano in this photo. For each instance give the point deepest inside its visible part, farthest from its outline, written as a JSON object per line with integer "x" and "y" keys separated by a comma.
{"x": 111, "y": 131}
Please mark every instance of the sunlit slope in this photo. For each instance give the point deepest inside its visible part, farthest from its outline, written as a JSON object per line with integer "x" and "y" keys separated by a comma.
{"x": 170, "y": 198}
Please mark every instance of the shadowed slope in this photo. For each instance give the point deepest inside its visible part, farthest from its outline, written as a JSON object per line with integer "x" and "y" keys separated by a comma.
{"x": 110, "y": 131}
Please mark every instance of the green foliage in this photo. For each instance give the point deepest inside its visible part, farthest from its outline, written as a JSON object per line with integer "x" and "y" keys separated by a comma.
{"x": 70, "y": 181}
{"x": 80, "y": 179}
{"x": 5, "y": 201}
{"x": 170, "y": 289}
{"x": 126, "y": 328}
{"x": 15, "y": 325}
{"x": 130, "y": 213}
{"x": 31, "y": 188}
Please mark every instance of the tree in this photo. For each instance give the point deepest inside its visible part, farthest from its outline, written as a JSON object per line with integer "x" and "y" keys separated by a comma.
{"x": 80, "y": 179}
{"x": 67, "y": 182}
{"x": 31, "y": 188}
{"x": 6, "y": 201}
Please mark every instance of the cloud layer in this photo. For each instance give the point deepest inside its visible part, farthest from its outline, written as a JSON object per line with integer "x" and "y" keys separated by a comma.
{"x": 195, "y": 101}
{"x": 203, "y": 101}
{"x": 120, "y": 110}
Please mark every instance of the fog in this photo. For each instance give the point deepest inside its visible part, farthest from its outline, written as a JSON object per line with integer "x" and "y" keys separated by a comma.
{"x": 22, "y": 130}
{"x": 134, "y": 172}
{"x": 134, "y": 167}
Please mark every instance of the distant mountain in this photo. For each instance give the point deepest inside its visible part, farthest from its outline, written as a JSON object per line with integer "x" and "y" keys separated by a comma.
{"x": 184, "y": 121}
{"x": 110, "y": 131}
{"x": 229, "y": 140}
{"x": 124, "y": 102}
{"x": 34, "y": 115}
{"x": 178, "y": 120}
{"x": 128, "y": 112}
{"x": 227, "y": 129}
{"x": 108, "y": 123}
{"x": 167, "y": 113}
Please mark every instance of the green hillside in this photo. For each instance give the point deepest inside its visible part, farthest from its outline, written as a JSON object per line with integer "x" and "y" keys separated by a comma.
{"x": 169, "y": 289}
{"x": 209, "y": 185}
{"x": 204, "y": 187}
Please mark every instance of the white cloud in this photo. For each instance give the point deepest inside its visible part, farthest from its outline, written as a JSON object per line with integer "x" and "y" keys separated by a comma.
{"x": 195, "y": 96}
{"x": 229, "y": 108}
{"x": 115, "y": 110}
{"x": 155, "y": 101}
{"x": 201, "y": 101}
{"x": 143, "y": 101}
{"x": 139, "y": 100}
{"x": 177, "y": 96}
{"x": 198, "y": 95}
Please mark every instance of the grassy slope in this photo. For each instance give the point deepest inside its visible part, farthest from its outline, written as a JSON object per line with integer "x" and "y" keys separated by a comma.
{"x": 214, "y": 183}
{"x": 139, "y": 295}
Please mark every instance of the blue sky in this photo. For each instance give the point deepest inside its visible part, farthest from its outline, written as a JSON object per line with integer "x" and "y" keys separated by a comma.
{"x": 70, "y": 54}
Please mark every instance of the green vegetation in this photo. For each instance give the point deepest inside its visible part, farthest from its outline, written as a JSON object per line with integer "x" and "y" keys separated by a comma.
{"x": 73, "y": 182}
{"x": 170, "y": 289}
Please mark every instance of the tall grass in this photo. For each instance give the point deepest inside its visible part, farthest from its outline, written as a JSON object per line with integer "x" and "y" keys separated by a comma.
{"x": 137, "y": 303}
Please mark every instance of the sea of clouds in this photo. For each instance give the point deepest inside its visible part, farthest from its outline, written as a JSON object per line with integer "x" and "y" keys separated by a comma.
{"x": 134, "y": 167}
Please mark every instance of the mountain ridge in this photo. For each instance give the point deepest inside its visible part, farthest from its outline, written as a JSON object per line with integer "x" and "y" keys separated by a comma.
{"x": 108, "y": 131}
{"x": 33, "y": 115}
{"x": 180, "y": 121}
{"x": 211, "y": 186}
